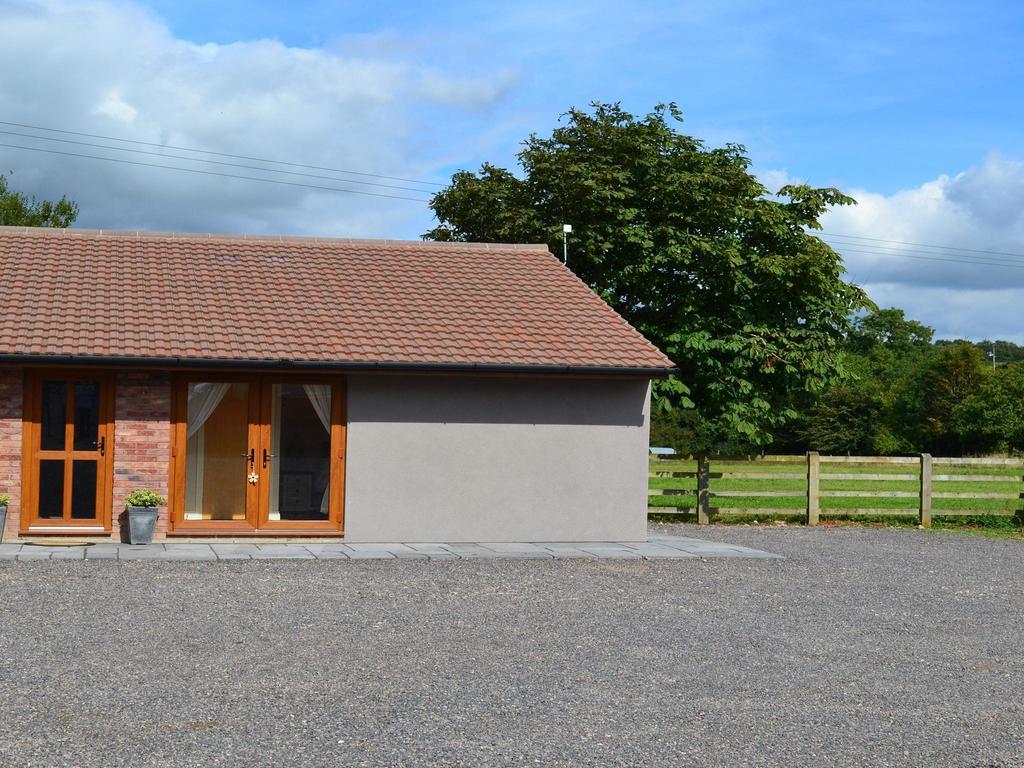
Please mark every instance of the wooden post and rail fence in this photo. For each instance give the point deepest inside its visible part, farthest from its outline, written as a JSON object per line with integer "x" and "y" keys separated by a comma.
{"x": 913, "y": 477}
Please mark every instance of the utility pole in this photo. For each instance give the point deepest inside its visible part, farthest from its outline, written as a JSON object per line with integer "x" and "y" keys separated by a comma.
{"x": 566, "y": 229}
{"x": 993, "y": 355}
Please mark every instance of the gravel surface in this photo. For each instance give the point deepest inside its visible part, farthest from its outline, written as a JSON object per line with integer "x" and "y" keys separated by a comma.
{"x": 862, "y": 647}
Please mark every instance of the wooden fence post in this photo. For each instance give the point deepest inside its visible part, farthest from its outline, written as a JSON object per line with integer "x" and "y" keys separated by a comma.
{"x": 813, "y": 498}
{"x": 703, "y": 518}
{"x": 926, "y": 490}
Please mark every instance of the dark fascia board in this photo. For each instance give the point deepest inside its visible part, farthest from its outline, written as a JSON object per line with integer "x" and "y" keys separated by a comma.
{"x": 325, "y": 366}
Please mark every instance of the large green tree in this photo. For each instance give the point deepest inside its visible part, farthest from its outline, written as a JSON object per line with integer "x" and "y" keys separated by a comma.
{"x": 846, "y": 419}
{"x": 992, "y": 419}
{"x": 20, "y": 210}
{"x": 955, "y": 373}
{"x": 889, "y": 330}
{"x": 874, "y": 410}
{"x": 689, "y": 246}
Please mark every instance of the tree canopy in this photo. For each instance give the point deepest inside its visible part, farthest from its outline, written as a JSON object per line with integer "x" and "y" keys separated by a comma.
{"x": 906, "y": 394}
{"x": 20, "y": 210}
{"x": 992, "y": 419}
{"x": 690, "y": 247}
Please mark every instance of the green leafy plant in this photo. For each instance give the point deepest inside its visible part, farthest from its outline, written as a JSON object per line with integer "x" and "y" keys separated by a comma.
{"x": 20, "y": 210}
{"x": 4, "y": 499}
{"x": 142, "y": 497}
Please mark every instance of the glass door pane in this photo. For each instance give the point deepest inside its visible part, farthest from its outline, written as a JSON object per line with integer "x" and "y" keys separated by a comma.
{"x": 51, "y": 489}
{"x": 217, "y": 450}
{"x": 83, "y": 489}
{"x": 299, "y": 458}
{"x": 54, "y": 416}
{"x": 87, "y": 415}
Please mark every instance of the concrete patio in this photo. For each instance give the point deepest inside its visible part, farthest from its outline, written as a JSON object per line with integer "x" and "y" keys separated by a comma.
{"x": 657, "y": 547}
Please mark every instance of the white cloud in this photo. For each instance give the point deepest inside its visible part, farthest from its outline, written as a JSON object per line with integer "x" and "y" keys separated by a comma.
{"x": 472, "y": 93}
{"x": 958, "y": 313}
{"x": 116, "y": 107}
{"x": 113, "y": 68}
{"x": 960, "y": 293}
{"x": 774, "y": 179}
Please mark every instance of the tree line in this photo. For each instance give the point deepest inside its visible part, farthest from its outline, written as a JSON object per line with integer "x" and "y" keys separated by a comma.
{"x": 901, "y": 392}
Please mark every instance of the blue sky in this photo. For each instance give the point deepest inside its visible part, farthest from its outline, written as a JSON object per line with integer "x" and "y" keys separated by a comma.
{"x": 878, "y": 95}
{"x": 914, "y": 108}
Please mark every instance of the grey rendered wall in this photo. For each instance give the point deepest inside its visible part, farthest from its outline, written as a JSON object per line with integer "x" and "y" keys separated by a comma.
{"x": 496, "y": 459}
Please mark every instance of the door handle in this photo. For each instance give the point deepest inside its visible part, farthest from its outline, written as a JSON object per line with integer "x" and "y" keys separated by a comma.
{"x": 251, "y": 456}
{"x": 267, "y": 457}
{"x": 102, "y": 445}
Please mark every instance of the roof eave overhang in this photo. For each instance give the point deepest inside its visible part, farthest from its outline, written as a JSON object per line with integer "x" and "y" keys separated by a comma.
{"x": 651, "y": 372}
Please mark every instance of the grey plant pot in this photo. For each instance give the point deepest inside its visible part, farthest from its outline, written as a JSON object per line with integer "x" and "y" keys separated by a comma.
{"x": 141, "y": 524}
{"x": 3, "y": 519}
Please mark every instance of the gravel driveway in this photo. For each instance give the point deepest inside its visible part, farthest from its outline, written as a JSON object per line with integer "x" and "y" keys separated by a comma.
{"x": 862, "y": 647}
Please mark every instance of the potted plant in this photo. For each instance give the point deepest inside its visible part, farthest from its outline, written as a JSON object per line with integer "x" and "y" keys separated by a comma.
{"x": 142, "y": 510}
{"x": 4, "y": 501}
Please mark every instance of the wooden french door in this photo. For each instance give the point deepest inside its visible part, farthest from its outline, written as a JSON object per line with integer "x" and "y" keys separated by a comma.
{"x": 68, "y": 442}
{"x": 258, "y": 455}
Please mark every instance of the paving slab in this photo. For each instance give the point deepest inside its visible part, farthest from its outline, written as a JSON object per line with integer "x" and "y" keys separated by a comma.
{"x": 512, "y": 546}
{"x": 561, "y": 551}
{"x": 234, "y": 551}
{"x": 367, "y": 552}
{"x": 226, "y": 549}
{"x": 519, "y": 550}
{"x": 658, "y": 547}
{"x": 620, "y": 552}
{"x": 102, "y": 552}
{"x": 35, "y": 553}
{"x": 330, "y": 554}
{"x": 709, "y": 549}
{"x": 474, "y": 552}
{"x": 8, "y": 551}
{"x": 136, "y": 552}
{"x": 283, "y": 551}
{"x": 68, "y": 553}
{"x": 657, "y": 550}
{"x": 430, "y": 547}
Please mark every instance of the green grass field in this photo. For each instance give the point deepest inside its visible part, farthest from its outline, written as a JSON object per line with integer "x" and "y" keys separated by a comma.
{"x": 776, "y": 478}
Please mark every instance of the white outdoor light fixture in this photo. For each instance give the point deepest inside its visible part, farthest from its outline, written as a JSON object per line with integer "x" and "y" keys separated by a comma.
{"x": 566, "y": 229}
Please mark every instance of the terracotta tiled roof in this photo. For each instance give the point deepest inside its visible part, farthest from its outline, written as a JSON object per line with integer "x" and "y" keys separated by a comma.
{"x": 303, "y": 300}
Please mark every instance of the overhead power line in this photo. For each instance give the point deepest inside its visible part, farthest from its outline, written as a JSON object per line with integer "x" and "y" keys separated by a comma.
{"x": 211, "y": 162}
{"x": 222, "y": 154}
{"x": 878, "y": 246}
{"x": 950, "y": 259}
{"x": 216, "y": 173}
{"x": 922, "y": 245}
{"x": 897, "y": 251}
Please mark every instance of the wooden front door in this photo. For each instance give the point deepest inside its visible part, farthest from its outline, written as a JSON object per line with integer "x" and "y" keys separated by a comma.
{"x": 257, "y": 455}
{"x": 68, "y": 441}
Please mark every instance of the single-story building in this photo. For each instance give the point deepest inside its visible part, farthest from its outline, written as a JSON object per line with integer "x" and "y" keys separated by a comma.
{"x": 274, "y": 386}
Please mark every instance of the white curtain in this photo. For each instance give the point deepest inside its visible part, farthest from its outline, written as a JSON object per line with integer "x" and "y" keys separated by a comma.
{"x": 320, "y": 398}
{"x": 203, "y": 400}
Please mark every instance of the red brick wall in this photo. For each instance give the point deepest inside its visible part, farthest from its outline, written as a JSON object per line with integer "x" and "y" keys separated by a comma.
{"x": 142, "y": 445}
{"x": 10, "y": 445}
{"x": 142, "y": 440}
